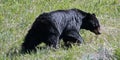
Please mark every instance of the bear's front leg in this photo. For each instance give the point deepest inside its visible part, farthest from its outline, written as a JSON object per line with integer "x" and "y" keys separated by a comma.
{"x": 53, "y": 41}
{"x": 72, "y": 37}
{"x": 71, "y": 40}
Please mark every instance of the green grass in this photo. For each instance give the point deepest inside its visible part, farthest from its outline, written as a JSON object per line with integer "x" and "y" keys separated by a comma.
{"x": 16, "y": 17}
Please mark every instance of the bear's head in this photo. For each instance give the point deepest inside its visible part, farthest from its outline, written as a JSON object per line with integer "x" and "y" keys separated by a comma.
{"x": 90, "y": 22}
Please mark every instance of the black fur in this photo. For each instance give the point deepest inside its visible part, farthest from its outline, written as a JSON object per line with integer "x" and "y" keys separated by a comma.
{"x": 61, "y": 24}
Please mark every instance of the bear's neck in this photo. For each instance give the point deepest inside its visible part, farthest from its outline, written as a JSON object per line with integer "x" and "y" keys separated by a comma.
{"x": 82, "y": 15}
{"x": 84, "y": 22}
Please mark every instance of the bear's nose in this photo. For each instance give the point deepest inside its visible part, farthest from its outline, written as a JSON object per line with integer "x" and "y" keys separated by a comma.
{"x": 97, "y": 31}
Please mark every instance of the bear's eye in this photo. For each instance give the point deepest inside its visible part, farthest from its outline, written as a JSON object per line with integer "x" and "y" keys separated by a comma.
{"x": 94, "y": 25}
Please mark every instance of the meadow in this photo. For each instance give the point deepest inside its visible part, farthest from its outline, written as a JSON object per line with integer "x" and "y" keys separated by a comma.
{"x": 17, "y": 16}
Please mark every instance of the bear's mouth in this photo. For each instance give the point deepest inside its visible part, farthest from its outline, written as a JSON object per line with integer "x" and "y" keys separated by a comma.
{"x": 97, "y": 31}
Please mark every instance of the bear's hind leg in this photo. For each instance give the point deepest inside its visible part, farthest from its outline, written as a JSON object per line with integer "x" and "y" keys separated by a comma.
{"x": 30, "y": 42}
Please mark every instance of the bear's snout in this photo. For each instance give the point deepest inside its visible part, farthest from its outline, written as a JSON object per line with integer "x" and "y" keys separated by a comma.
{"x": 97, "y": 31}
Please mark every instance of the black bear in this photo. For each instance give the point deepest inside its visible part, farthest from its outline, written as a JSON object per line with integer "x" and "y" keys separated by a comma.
{"x": 60, "y": 24}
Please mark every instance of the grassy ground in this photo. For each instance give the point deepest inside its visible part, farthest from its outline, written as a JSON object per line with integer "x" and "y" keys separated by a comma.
{"x": 16, "y": 17}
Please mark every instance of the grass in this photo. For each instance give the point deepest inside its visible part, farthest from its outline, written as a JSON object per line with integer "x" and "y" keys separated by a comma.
{"x": 16, "y": 17}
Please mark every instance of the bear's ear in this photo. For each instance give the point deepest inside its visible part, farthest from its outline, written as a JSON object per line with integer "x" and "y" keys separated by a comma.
{"x": 94, "y": 14}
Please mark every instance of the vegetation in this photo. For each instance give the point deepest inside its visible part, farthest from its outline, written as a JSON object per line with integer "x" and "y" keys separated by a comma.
{"x": 117, "y": 53}
{"x": 16, "y": 17}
